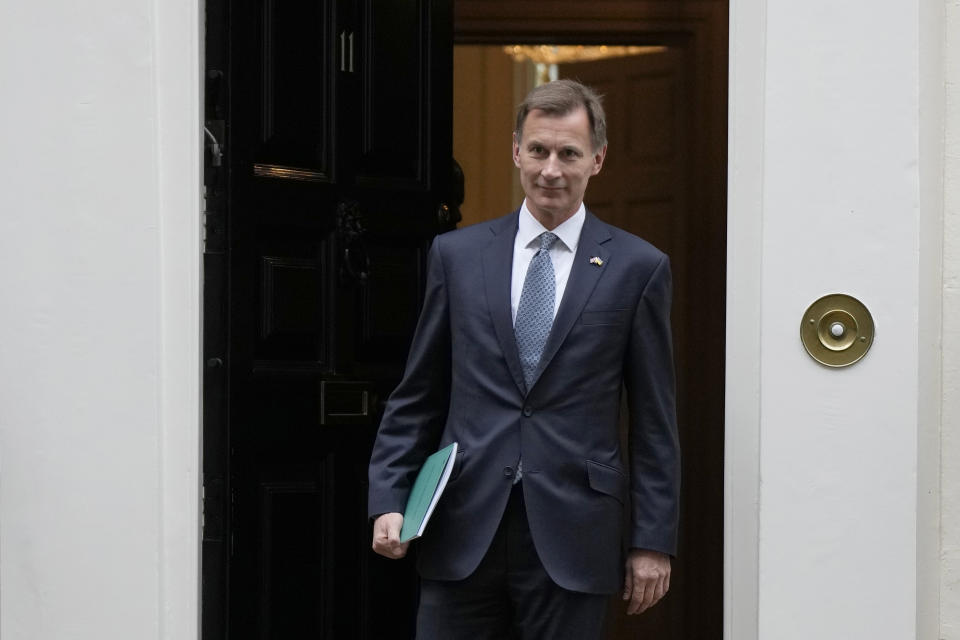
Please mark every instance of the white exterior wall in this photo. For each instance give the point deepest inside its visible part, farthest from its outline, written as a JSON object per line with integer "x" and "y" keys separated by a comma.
{"x": 836, "y": 185}
{"x": 99, "y": 278}
{"x": 950, "y": 453}
{"x": 838, "y": 489}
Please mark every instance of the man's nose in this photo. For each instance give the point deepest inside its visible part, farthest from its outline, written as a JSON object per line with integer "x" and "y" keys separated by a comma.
{"x": 551, "y": 168}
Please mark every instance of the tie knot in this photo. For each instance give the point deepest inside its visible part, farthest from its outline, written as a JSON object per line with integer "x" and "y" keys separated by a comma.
{"x": 547, "y": 240}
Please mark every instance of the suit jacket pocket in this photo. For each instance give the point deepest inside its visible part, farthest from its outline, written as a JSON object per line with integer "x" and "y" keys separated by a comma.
{"x": 615, "y": 316}
{"x": 606, "y": 479}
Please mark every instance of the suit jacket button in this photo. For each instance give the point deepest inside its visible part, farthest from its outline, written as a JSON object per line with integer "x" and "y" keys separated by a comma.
{"x": 508, "y": 472}
{"x": 528, "y": 411}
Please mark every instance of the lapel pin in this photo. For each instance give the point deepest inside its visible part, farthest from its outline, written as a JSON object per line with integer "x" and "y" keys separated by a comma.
{"x": 597, "y": 261}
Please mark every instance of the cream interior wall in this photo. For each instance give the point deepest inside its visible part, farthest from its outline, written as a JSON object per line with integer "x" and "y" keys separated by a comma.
{"x": 483, "y": 107}
{"x": 950, "y": 438}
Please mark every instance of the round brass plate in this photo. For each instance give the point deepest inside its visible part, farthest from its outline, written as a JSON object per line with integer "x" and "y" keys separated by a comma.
{"x": 837, "y": 330}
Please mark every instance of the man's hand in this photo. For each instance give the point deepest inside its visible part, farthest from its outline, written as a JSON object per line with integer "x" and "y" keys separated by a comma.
{"x": 386, "y": 536}
{"x": 647, "y": 579}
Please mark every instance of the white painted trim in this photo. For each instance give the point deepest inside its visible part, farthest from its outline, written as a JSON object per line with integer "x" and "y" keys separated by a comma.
{"x": 744, "y": 278}
{"x": 177, "y": 46}
{"x": 930, "y": 313}
{"x": 949, "y": 440}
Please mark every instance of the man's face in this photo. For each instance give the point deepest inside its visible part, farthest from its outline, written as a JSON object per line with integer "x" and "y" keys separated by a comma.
{"x": 556, "y": 160}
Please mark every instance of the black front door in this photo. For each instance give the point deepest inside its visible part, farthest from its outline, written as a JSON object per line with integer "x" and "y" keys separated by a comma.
{"x": 328, "y": 168}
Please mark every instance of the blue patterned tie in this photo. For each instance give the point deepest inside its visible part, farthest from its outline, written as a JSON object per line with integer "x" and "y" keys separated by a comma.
{"x": 535, "y": 311}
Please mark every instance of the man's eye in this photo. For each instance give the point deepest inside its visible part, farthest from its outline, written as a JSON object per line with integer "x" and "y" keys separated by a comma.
{"x": 570, "y": 153}
{"x": 536, "y": 150}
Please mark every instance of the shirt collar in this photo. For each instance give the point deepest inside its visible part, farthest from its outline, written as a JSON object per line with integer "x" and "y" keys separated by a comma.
{"x": 568, "y": 232}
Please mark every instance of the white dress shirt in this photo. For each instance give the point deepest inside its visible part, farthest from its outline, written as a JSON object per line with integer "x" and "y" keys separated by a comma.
{"x": 526, "y": 245}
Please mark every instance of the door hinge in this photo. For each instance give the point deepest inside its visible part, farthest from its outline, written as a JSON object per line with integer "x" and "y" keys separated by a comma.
{"x": 214, "y": 191}
{"x": 214, "y": 133}
{"x": 214, "y": 218}
{"x": 211, "y": 509}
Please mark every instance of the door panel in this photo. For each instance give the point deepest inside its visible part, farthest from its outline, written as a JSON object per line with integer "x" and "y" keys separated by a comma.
{"x": 296, "y": 557}
{"x": 388, "y": 302}
{"x": 394, "y": 91}
{"x": 296, "y": 75}
{"x": 294, "y": 305}
{"x": 331, "y": 193}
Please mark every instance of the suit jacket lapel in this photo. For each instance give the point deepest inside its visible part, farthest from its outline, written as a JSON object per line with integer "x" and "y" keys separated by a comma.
{"x": 497, "y": 276}
{"x": 583, "y": 278}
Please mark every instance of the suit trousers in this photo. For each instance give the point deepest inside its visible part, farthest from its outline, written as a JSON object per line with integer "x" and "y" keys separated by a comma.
{"x": 510, "y": 596}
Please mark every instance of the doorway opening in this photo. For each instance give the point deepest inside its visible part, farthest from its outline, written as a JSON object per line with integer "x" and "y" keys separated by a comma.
{"x": 655, "y": 183}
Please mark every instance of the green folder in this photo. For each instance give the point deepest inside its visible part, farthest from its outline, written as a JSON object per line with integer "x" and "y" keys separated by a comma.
{"x": 426, "y": 491}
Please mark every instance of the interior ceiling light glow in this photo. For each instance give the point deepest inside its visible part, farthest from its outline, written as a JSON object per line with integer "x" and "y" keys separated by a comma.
{"x": 561, "y": 54}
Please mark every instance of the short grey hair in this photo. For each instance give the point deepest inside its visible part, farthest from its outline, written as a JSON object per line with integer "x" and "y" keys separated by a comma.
{"x": 560, "y": 97}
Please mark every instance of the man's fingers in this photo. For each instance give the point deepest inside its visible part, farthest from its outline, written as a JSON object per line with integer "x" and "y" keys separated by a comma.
{"x": 386, "y": 536}
{"x": 662, "y": 587}
{"x": 654, "y": 594}
{"x": 647, "y": 580}
{"x": 637, "y": 600}
{"x": 390, "y": 548}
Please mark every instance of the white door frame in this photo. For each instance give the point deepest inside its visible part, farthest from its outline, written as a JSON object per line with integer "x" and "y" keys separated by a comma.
{"x": 744, "y": 263}
{"x": 179, "y": 41}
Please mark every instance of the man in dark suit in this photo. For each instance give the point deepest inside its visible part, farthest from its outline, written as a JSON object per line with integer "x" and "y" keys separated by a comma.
{"x": 532, "y": 326}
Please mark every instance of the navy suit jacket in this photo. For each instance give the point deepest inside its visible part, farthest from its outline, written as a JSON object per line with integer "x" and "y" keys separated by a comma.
{"x": 463, "y": 382}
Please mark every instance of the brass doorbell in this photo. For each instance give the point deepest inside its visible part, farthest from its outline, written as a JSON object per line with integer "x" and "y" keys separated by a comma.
{"x": 837, "y": 330}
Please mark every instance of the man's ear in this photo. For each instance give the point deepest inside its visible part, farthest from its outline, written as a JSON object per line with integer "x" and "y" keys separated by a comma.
{"x": 516, "y": 150}
{"x": 598, "y": 160}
